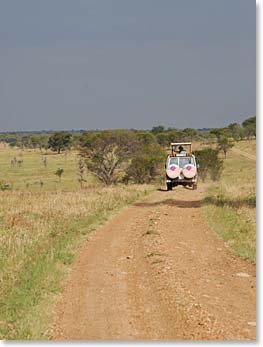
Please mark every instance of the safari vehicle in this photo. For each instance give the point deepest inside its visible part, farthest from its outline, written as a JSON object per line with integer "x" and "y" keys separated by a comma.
{"x": 181, "y": 166}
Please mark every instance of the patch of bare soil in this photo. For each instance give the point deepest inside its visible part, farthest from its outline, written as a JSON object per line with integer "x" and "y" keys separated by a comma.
{"x": 157, "y": 271}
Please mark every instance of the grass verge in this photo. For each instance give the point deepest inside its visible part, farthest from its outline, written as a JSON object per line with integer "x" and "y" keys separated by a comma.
{"x": 238, "y": 232}
{"x": 40, "y": 233}
{"x": 230, "y": 205}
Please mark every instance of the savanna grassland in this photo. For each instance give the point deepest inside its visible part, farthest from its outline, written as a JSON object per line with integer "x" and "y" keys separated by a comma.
{"x": 248, "y": 147}
{"x": 42, "y": 225}
{"x": 45, "y": 218}
{"x": 230, "y": 203}
{"x": 37, "y": 169}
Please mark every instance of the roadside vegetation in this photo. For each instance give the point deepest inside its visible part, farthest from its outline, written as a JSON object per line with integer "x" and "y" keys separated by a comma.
{"x": 39, "y": 236}
{"x": 230, "y": 203}
{"x": 42, "y": 225}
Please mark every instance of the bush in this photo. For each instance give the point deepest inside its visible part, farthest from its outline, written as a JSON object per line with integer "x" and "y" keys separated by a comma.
{"x": 5, "y": 186}
{"x": 224, "y": 145}
{"x": 209, "y": 164}
{"x": 59, "y": 172}
{"x": 144, "y": 166}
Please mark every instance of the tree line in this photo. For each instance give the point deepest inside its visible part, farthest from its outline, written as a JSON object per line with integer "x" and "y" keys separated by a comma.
{"x": 134, "y": 155}
{"x": 61, "y": 140}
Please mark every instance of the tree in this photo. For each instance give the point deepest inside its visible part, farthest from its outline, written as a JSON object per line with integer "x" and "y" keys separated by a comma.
{"x": 189, "y": 134}
{"x": 234, "y": 129}
{"x": 38, "y": 141}
{"x": 146, "y": 137}
{"x": 105, "y": 152}
{"x": 208, "y": 138}
{"x": 34, "y": 141}
{"x": 224, "y": 145}
{"x": 221, "y": 132}
{"x": 43, "y": 141}
{"x": 81, "y": 172}
{"x": 25, "y": 141}
{"x": 173, "y": 135}
{"x": 59, "y": 173}
{"x": 87, "y": 137}
{"x": 242, "y": 134}
{"x": 12, "y": 141}
{"x": 158, "y": 129}
{"x": 60, "y": 140}
{"x": 249, "y": 126}
{"x": 162, "y": 139}
{"x": 209, "y": 164}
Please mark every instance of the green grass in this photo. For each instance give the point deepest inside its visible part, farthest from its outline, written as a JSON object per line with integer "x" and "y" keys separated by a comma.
{"x": 40, "y": 232}
{"x": 230, "y": 204}
{"x": 33, "y": 171}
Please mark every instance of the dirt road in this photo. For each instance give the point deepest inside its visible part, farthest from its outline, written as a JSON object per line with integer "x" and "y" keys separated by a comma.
{"x": 157, "y": 271}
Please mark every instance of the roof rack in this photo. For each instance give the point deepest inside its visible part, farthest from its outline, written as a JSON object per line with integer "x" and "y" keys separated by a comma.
{"x": 175, "y": 148}
{"x": 180, "y": 143}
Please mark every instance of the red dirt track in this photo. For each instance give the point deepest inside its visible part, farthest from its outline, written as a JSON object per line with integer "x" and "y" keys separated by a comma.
{"x": 156, "y": 271}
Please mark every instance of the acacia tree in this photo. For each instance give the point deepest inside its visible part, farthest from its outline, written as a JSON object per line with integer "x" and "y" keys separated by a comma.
{"x": 60, "y": 140}
{"x": 224, "y": 145}
{"x": 105, "y": 152}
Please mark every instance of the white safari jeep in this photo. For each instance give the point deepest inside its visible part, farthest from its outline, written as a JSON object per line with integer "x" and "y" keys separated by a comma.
{"x": 181, "y": 166}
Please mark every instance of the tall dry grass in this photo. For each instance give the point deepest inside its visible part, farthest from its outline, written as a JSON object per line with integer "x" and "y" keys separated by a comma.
{"x": 248, "y": 146}
{"x": 40, "y": 231}
{"x": 230, "y": 204}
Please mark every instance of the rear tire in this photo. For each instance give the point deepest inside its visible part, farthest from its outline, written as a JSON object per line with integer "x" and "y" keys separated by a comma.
{"x": 169, "y": 186}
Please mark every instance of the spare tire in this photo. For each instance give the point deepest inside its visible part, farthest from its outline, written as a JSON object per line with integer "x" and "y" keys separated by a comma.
{"x": 173, "y": 171}
{"x": 189, "y": 171}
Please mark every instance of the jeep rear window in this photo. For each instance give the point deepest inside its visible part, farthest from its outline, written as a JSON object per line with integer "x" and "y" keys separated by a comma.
{"x": 173, "y": 161}
{"x": 185, "y": 160}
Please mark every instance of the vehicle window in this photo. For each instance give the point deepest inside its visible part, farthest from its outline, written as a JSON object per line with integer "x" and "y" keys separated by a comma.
{"x": 173, "y": 161}
{"x": 185, "y": 160}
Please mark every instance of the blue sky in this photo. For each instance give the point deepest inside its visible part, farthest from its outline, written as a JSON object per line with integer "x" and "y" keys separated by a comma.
{"x": 96, "y": 64}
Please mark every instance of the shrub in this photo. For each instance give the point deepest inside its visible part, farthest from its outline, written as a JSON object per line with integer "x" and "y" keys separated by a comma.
{"x": 59, "y": 172}
{"x": 144, "y": 165}
{"x": 5, "y": 186}
{"x": 209, "y": 164}
{"x": 224, "y": 145}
